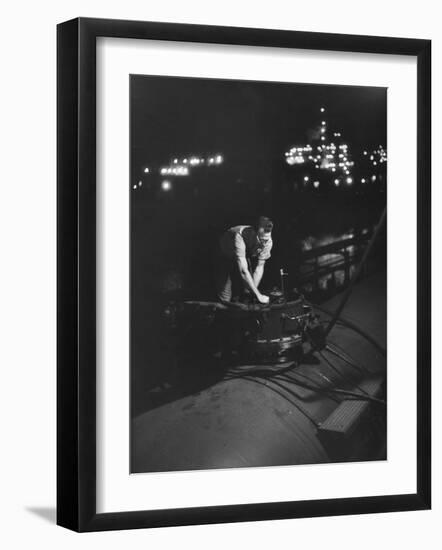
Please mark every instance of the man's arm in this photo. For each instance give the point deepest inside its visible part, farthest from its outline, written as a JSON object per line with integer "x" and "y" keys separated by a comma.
{"x": 248, "y": 279}
{"x": 258, "y": 273}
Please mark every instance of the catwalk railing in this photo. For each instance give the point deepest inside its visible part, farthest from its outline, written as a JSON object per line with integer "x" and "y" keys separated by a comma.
{"x": 330, "y": 267}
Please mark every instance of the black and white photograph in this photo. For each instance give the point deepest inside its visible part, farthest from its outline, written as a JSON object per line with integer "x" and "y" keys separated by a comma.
{"x": 258, "y": 269}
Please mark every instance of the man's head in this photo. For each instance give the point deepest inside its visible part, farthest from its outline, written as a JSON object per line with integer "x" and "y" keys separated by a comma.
{"x": 264, "y": 229}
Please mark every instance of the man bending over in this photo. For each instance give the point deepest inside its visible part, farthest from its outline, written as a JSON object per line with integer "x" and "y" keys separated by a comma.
{"x": 238, "y": 247}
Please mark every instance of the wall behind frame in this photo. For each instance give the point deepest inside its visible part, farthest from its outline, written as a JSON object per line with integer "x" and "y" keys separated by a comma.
{"x": 27, "y": 227}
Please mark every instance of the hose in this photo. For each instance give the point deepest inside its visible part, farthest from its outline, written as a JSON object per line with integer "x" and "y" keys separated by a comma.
{"x": 349, "y": 290}
{"x": 355, "y": 327}
{"x": 346, "y": 359}
{"x": 314, "y": 388}
{"x": 332, "y": 366}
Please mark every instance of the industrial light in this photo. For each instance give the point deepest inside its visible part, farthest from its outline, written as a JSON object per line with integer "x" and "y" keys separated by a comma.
{"x": 166, "y": 185}
{"x": 146, "y": 170}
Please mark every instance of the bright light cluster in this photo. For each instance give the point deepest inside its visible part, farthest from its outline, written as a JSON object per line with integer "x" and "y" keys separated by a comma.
{"x": 181, "y": 167}
{"x": 377, "y": 156}
{"x": 325, "y": 157}
{"x": 324, "y": 154}
{"x": 297, "y": 155}
{"x": 175, "y": 171}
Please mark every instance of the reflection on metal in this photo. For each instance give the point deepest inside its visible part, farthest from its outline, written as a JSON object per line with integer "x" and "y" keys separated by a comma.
{"x": 257, "y": 333}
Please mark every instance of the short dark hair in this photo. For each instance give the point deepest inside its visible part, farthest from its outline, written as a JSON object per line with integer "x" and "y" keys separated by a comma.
{"x": 265, "y": 223}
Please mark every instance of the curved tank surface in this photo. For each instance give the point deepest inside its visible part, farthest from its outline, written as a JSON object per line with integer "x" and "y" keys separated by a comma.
{"x": 322, "y": 405}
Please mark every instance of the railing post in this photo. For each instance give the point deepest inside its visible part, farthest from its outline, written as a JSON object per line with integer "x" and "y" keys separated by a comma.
{"x": 317, "y": 273}
{"x": 346, "y": 266}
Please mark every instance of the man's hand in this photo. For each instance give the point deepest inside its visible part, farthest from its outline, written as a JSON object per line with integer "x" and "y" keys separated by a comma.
{"x": 248, "y": 279}
{"x": 262, "y": 298}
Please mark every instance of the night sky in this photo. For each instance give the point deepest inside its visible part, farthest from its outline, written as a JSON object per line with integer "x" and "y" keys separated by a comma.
{"x": 246, "y": 119}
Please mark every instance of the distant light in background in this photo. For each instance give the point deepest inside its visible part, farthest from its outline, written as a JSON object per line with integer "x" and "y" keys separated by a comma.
{"x": 140, "y": 183}
{"x": 166, "y": 185}
{"x": 336, "y": 159}
{"x": 181, "y": 167}
{"x": 373, "y": 178}
{"x": 134, "y": 186}
{"x": 146, "y": 170}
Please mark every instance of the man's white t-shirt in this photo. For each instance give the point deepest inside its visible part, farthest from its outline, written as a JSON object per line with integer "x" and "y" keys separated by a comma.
{"x": 242, "y": 241}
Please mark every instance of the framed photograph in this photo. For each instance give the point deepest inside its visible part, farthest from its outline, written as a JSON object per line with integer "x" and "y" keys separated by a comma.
{"x": 243, "y": 274}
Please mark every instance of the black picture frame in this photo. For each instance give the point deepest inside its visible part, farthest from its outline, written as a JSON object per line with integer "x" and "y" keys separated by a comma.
{"x": 76, "y": 274}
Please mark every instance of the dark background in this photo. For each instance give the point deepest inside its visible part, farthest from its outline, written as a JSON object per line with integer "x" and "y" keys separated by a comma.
{"x": 251, "y": 124}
